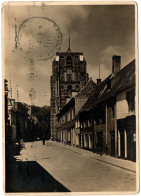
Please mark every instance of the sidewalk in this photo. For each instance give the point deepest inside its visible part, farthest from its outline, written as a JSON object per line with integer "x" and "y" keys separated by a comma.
{"x": 121, "y": 163}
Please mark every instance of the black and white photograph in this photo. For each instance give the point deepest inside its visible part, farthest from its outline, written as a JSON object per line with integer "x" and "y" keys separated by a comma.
{"x": 70, "y": 97}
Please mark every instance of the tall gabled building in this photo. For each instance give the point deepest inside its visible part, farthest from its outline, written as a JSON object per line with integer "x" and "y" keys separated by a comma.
{"x": 69, "y": 75}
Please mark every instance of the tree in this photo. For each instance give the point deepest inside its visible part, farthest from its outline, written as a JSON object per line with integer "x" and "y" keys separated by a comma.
{"x": 42, "y": 124}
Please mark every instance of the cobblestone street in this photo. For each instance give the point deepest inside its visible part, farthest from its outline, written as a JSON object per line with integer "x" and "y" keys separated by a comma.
{"x": 71, "y": 170}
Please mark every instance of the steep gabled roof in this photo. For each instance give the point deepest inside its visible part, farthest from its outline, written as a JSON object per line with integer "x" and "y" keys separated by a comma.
{"x": 87, "y": 89}
{"x": 95, "y": 95}
{"x": 123, "y": 79}
{"x": 85, "y": 92}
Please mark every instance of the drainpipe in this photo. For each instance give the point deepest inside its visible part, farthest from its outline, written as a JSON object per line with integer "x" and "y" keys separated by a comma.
{"x": 106, "y": 130}
{"x": 125, "y": 143}
{"x": 116, "y": 150}
{"x": 93, "y": 129}
{"x": 80, "y": 132}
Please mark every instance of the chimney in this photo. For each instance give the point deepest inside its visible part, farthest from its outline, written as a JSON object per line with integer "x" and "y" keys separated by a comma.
{"x": 116, "y": 63}
{"x": 98, "y": 81}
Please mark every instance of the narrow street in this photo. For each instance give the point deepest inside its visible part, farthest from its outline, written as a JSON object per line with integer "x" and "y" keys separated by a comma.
{"x": 54, "y": 168}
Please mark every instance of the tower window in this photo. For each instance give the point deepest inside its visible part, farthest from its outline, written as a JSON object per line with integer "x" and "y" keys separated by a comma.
{"x": 69, "y": 71}
{"x": 69, "y": 88}
{"x": 77, "y": 87}
{"x": 62, "y": 87}
{"x": 69, "y": 60}
{"x": 69, "y": 77}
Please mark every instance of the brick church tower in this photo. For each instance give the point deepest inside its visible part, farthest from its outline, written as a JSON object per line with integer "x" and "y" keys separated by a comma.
{"x": 69, "y": 75}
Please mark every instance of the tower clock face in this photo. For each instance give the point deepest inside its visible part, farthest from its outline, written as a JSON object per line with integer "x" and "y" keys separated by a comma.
{"x": 39, "y": 38}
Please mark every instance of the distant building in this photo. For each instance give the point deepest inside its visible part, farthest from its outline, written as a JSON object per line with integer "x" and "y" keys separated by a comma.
{"x": 69, "y": 75}
{"x": 67, "y": 131}
{"x": 18, "y": 117}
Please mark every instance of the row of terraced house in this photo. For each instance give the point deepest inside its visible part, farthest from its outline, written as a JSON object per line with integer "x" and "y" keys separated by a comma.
{"x": 102, "y": 115}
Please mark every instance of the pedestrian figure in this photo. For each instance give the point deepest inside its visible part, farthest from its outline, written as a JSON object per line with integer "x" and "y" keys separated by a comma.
{"x": 43, "y": 138}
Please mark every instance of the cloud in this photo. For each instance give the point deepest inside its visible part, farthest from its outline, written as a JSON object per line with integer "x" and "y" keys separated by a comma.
{"x": 110, "y": 50}
{"x": 106, "y": 54}
{"x": 94, "y": 71}
{"x": 98, "y": 31}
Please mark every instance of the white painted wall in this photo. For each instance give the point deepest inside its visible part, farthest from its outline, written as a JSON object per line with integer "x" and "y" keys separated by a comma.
{"x": 122, "y": 105}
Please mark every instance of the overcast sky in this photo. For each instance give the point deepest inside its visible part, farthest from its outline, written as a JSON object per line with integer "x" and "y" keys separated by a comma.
{"x": 98, "y": 31}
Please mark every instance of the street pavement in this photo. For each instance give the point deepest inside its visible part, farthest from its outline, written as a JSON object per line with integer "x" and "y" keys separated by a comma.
{"x": 72, "y": 170}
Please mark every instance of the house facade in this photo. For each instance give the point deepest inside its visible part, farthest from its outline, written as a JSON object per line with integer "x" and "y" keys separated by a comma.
{"x": 109, "y": 116}
{"x": 106, "y": 118}
{"x": 18, "y": 118}
{"x": 67, "y": 129}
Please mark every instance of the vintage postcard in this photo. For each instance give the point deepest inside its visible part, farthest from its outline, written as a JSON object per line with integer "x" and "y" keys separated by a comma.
{"x": 70, "y": 98}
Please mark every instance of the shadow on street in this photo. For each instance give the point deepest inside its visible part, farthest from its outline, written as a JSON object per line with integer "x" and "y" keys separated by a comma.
{"x": 29, "y": 176}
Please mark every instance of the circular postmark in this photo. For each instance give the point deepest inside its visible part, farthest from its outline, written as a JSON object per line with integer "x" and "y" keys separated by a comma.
{"x": 39, "y": 38}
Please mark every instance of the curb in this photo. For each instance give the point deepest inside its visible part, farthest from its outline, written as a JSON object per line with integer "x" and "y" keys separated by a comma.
{"x": 82, "y": 153}
{"x": 114, "y": 165}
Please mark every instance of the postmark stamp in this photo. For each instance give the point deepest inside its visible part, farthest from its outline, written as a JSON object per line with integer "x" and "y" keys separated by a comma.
{"x": 39, "y": 38}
